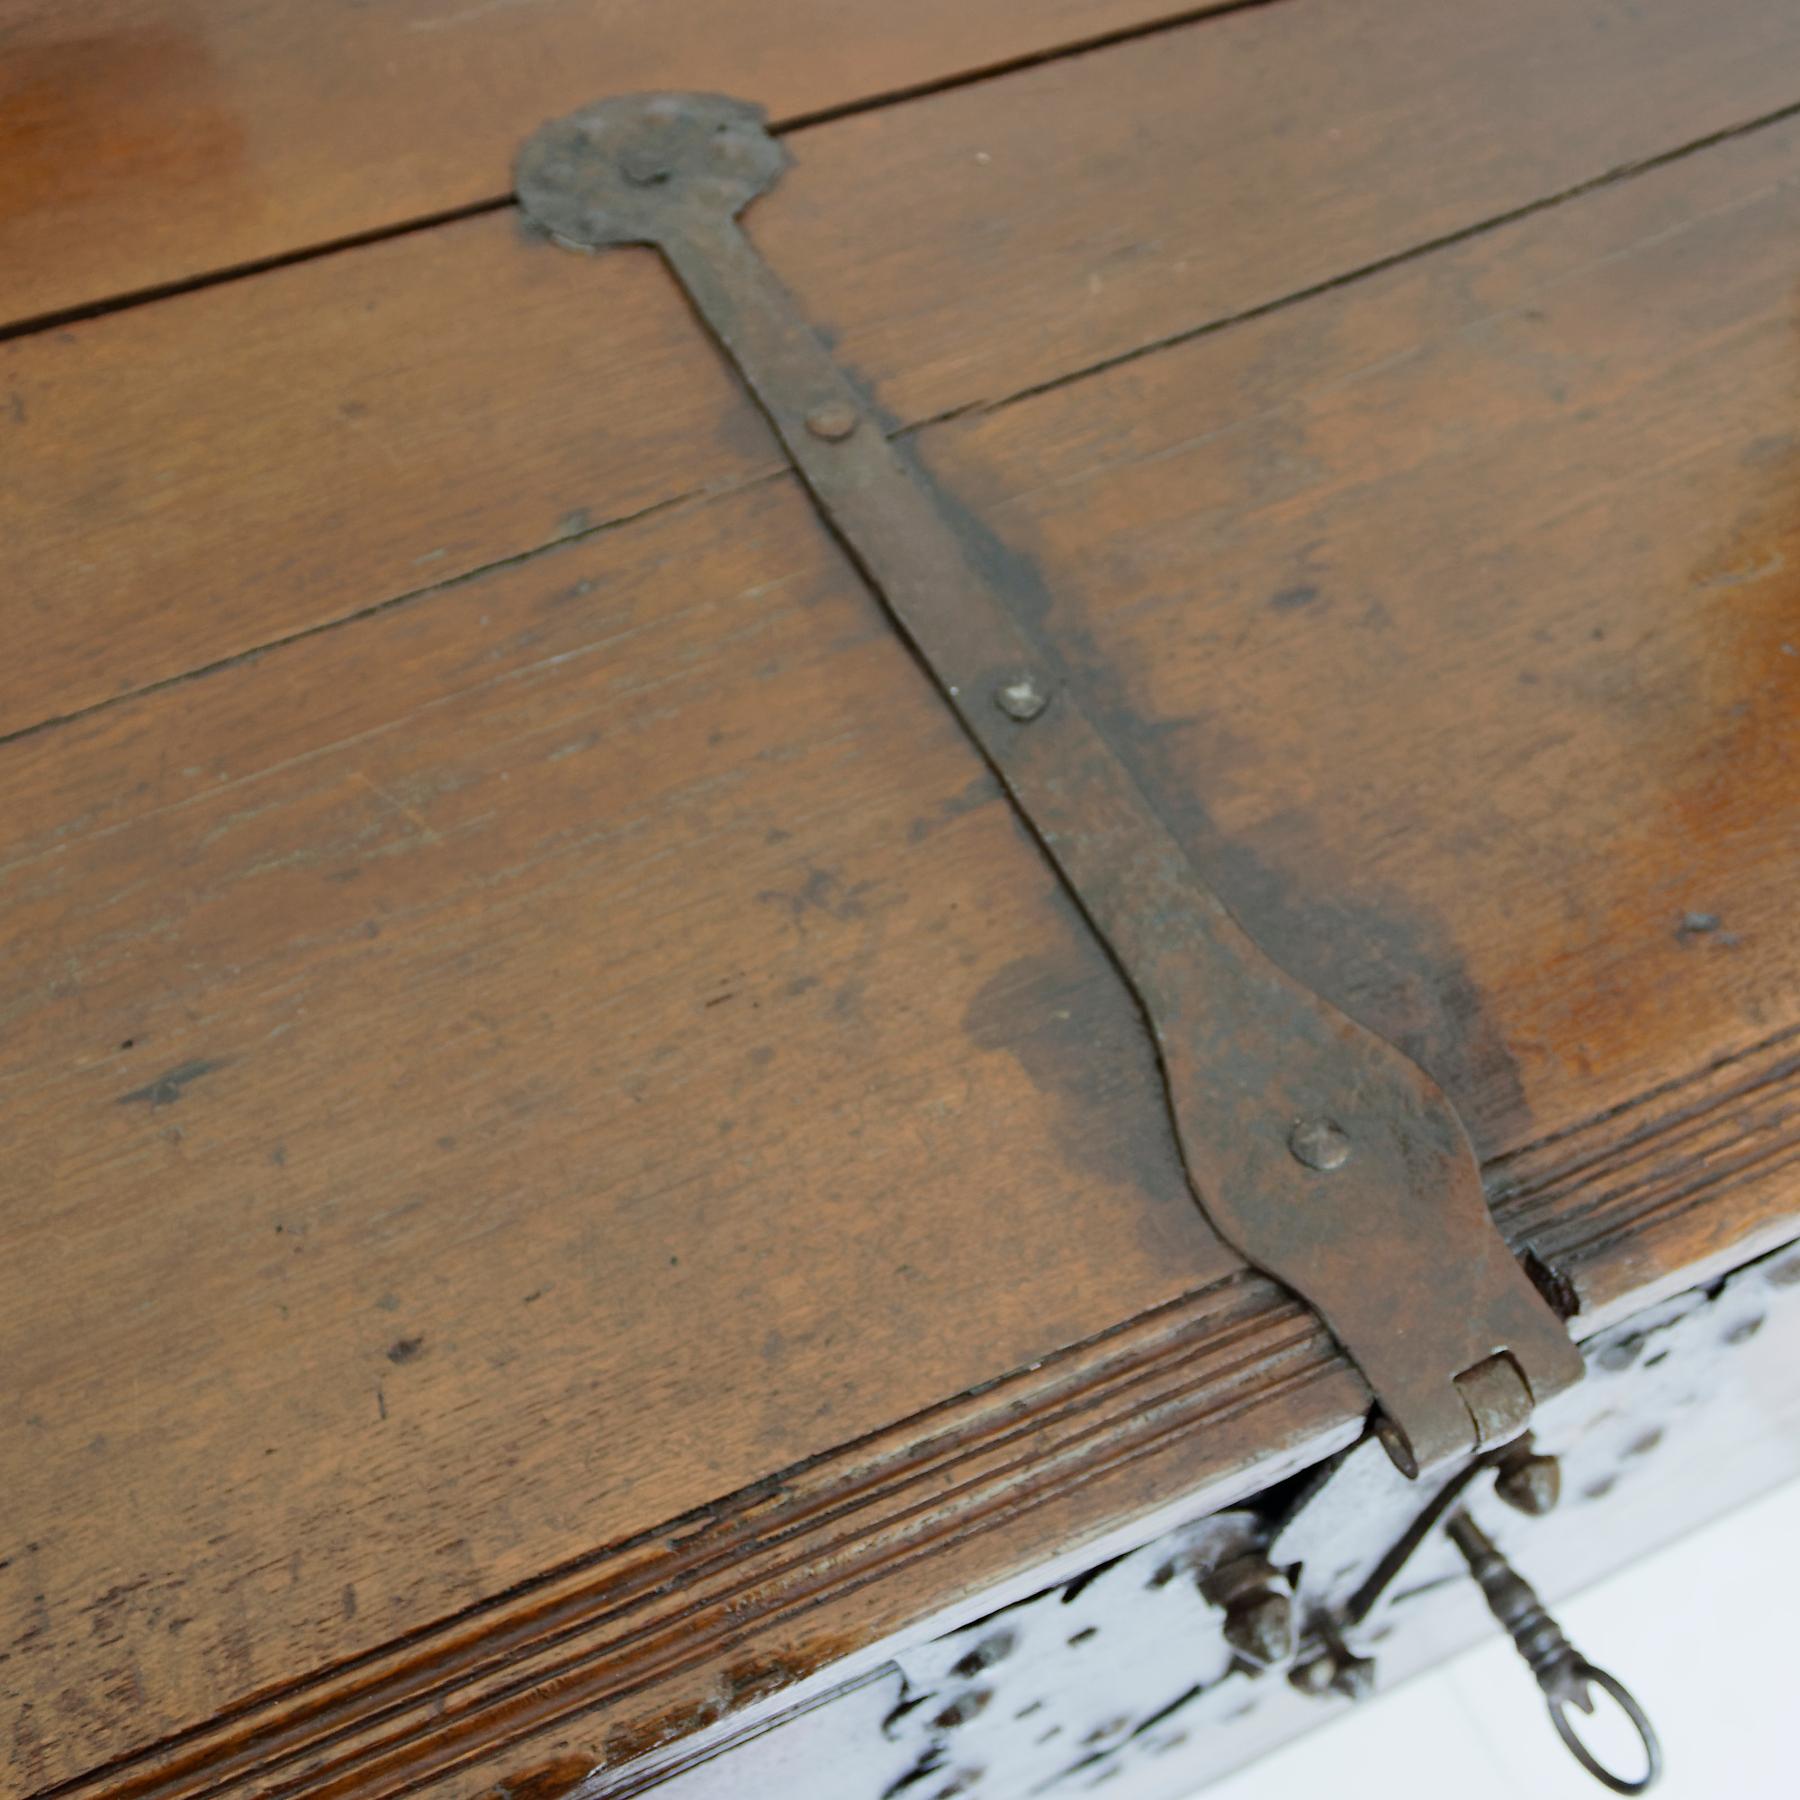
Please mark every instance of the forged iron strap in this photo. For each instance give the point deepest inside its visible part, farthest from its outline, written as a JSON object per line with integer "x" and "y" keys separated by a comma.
{"x": 1319, "y": 1152}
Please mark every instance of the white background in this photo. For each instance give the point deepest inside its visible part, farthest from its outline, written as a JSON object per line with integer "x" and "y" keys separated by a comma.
{"x": 1706, "y": 1633}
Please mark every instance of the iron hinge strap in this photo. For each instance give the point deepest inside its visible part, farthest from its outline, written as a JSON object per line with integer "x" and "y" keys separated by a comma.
{"x": 1322, "y": 1154}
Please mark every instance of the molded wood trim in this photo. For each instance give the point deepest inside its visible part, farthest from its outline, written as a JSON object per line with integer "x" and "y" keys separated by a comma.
{"x": 672, "y": 1631}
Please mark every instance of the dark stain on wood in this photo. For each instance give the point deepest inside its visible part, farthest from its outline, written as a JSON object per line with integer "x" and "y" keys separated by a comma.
{"x": 1294, "y": 599}
{"x": 1387, "y": 965}
{"x": 747, "y": 1682}
{"x": 167, "y": 1088}
{"x": 1077, "y": 1033}
{"x": 626, "y": 1743}
{"x": 548, "y": 1781}
{"x": 982, "y": 790}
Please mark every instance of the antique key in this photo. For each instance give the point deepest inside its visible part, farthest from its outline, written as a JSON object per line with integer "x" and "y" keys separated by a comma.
{"x": 1528, "y": 1481}
{"x": 1565, "y": 1675}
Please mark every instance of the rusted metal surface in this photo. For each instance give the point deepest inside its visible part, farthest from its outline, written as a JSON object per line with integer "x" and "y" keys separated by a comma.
{"x": 1320, "y": 1152}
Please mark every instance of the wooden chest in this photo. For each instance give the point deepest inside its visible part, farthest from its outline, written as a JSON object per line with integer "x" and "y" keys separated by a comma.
{"x": 602, "y": 1192}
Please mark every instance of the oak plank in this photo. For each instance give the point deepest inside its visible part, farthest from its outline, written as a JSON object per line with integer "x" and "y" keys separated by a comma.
{"x": 556, "y": 793}
{"x": 1320, "y": 566}
{"x": 144, "y": 145}
{"x": 195, "y": 478}
{"x": 494, "y": 1079}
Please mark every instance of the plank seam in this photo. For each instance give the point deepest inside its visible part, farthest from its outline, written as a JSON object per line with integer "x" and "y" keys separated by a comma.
{"x": 132, "y": 298}
{"x": 1448, "y": 240}
{"x": 1263, "y": 309}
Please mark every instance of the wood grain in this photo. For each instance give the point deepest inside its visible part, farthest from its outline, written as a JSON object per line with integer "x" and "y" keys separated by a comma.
{"x": 1455, "y": 617}
{"x": 1679, "y": 1185}
{"x": 674, "y": 1632}
{"x": 583, "y": 1059}
{"x": 507, "y": 1074}
{"x": 176, "y": 495}
{"x": 142, "y": 145}
{"x": 746, "y": 1603}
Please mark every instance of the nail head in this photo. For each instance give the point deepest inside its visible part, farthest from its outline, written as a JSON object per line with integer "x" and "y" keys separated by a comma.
{"x": 1319, "y": 1144}
{"x": 1529, "y": 1482}
{"x": 645, "y": 165}
{"x": 1021, "y": 697}
{"x": 833, "y": 422}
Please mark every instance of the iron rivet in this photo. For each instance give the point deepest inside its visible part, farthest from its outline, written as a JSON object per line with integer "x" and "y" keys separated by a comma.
{"x": 1260, "y": 1628}
{"x": 1319, "y": 1144}
{"x": 645, "y": 165}
{"x": 1259, "y": 1609}
{"x": 1529, "y": 1482}
{"x": 833, "y": 422}
{"x": 1020, "y": 697}
{"x": 1315, "y": 1675}
{"x": 1354, "y": 1677}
